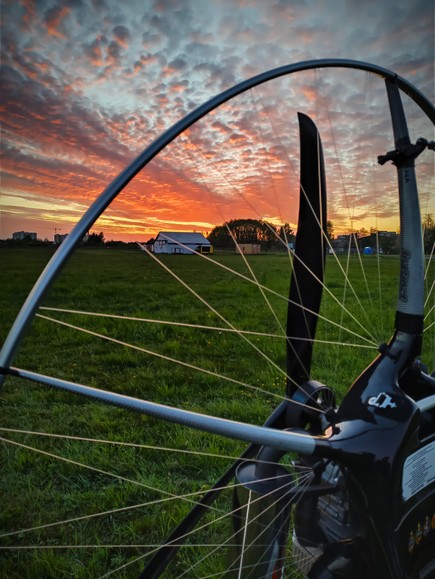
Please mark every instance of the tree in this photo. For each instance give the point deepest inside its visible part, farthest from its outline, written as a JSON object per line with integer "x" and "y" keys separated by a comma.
{"x": 287, "y": 234}
{"x": 244, "y": 231}
{"x": 361, "y": 233}
{"x": 329, "y": 230}
{"x": 220, "y": 237}
{"x": 428, "y": 233}
{"x": 389, "y": 244}
{"x": 95, "y": 239}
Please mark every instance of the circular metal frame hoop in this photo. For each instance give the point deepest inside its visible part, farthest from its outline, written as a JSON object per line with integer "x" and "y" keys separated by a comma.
{"x": 56, "y": 263}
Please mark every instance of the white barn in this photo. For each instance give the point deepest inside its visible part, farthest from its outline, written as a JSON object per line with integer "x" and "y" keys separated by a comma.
{"x": 181, "y": 242}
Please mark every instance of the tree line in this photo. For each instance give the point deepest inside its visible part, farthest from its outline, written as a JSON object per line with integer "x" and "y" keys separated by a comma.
{"x": 255, "y": 231}
{"x": 262, "y": 232}
{"x": 271, "y": 237}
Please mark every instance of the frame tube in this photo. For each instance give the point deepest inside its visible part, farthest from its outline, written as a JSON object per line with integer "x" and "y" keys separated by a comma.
{"x": 284, "y": 440}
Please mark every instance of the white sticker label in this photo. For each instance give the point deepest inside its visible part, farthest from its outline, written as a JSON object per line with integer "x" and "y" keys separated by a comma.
{"x": 418, "y": 471}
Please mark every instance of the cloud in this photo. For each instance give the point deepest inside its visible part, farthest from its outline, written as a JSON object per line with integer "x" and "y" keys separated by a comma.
{"x": 86, "y": 86}
{"x": 54, "y": 20}
{"x": 122, "y": 35}
{"x": 96, "y": 50}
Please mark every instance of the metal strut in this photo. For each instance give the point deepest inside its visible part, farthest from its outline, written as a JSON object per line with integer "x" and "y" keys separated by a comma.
{"x": 406, "y": 153}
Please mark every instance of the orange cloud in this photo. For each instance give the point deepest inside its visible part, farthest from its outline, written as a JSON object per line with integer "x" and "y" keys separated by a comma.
{"x": 54, "y": 19}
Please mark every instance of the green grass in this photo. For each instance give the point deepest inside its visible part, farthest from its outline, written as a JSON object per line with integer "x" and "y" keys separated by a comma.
{"x": 40, "y": 489}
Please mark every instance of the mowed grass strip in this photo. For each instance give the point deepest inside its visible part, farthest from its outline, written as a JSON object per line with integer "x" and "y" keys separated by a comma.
{"x": 40, "y": 489}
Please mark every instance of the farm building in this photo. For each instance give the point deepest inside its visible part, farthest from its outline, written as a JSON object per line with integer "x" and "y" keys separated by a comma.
{"x": 248, "y": 248}
{"x": 181, "y": 242}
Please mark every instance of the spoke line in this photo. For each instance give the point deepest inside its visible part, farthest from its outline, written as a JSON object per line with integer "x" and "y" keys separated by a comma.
{"x": 167, "y": 499}
{"x": 363, "y": 270}
{"x": 210, "y": 163}
{"x": 240, "y": 508}
{"x": 342, "y": 271}
{"x": 346, "y": 196}
{"x": 202, "y": 327}
{"x": 252, "y": 94}
{"x": 346, "y": 279}
{"x": 113, "y": 546}
{"x": 272, "y": 521}
{"x": 162, "y": 356}
{"x": 320, "y": 282}
{"x": 303, "y": 485}
{"x": 94, "y": 469}
{"x": 429, "y": 312}
{"x": 289, "y": 253}
{"x": 197, "y": 529}
{"x": 245, "y": 530}
{"x": 266, "y": 299}
{"x": 427, "y": 328}
{"x": 212, "y": 309}
{"x": 164, "y": 322}
{"x": 371, "y": 341}
{"x": 378, "y": 261}
{"x": 429, "y": 293}
{"x": 429, "y": 261}
{"x": 134, "y": 445}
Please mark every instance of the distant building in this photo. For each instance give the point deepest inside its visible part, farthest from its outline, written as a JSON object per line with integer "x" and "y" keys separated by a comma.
{"x": 248, "y": 248}
{"x": 58, "y": 238}
{"x": 181, "y": 242}
{"x": 384, "y": 242}
{"x": 342, "y": 244}
{"x": 21, "y": 235}
{"x": 391, "y": 234}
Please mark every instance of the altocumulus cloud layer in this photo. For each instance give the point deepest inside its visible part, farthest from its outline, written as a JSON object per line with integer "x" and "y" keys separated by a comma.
{"x": 87, "y": 84}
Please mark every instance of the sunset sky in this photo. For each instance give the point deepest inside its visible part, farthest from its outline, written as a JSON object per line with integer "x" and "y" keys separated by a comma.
{"x": 87, "y": 84}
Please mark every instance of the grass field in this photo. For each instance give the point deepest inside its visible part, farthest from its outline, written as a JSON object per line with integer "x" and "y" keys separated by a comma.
{"x": 40, "y": 489}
